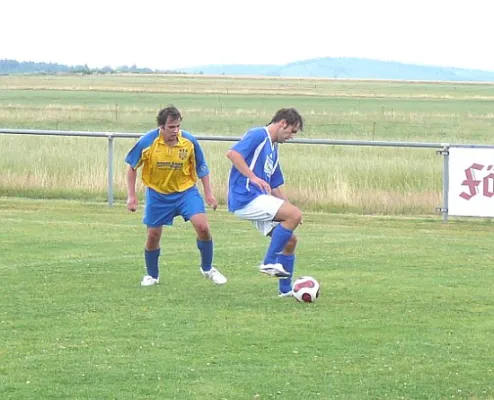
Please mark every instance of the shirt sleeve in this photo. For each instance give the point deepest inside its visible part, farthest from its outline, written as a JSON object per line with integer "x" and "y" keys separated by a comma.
{"x": 139, "y": 154}
{"x": 277, "y": 178}
{"x": 135, "y": 156}
{"x": 249, "y": 142}
{"x": 202, "y": 168}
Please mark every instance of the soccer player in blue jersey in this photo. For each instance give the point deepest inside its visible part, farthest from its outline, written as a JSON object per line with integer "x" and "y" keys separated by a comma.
{"x": 171, "y": 161}
{"x": 254, "y": 192}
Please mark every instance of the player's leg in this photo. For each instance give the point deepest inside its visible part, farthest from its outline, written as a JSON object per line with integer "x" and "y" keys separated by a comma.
{"x": 262, "y": 212}
{"x": 287, "y": 259}
{"x": 205, "y": 246}
{"x": 157, "y": 212}
{"x": 192, "y": 208}
{"x": 204, "y": 240}
{"x": 152, "y": 253}
{"x": 289, "y": 217}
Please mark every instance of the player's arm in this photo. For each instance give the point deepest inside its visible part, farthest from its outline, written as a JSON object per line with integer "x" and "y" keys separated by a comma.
{"x": 131, "y": 189}
{"x": 135, "y": 157}
{"x": 238, "y": 162}
{"x": 203, "y": 173}
{"x": 208, "y": 192}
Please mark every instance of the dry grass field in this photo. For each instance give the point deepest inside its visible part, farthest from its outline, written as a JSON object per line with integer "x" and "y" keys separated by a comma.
{"x": 331, "y": 178}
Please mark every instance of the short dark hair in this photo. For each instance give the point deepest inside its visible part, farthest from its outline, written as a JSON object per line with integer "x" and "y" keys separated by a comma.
{"x": 168, "y": 111}
{"x": 290, "y": 115}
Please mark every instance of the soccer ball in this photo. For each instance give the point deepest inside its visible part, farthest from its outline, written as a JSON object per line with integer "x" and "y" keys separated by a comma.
{"x": 306, "y": 289}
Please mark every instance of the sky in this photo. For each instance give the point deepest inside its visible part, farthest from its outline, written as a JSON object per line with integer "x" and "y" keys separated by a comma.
{"x": 187, "y": 33}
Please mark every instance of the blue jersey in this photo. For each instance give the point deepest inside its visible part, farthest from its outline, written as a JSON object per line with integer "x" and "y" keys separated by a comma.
{"x": 261, "y": 155}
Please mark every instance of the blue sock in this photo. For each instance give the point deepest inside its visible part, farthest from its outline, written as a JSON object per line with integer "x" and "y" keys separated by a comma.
{"x": 279, "y": 239}
{"x": 151, "y": 257}
{"x": 288, "y": 262}
{"x": 206, "y": 249}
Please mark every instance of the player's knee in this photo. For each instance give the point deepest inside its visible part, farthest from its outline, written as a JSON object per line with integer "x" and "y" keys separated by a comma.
{"x": 296, "y": 216}
{"x": 202, "y": 230}
{"x": 153, "y": 239}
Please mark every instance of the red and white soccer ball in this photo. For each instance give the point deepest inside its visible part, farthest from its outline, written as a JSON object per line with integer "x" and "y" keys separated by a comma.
{"x": 306, "y": 289}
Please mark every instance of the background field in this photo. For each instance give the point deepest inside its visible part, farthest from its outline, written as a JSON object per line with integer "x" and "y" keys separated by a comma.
{"x": 336, "y": 179}
{"x": 406, "y": 310}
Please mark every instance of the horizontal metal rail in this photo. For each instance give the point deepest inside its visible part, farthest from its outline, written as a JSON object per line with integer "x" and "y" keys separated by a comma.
{"x": 131, "y": 135}
{"x": 443, "y": 149}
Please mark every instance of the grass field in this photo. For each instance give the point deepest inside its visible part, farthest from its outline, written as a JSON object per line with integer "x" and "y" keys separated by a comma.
{"x": 337, "y": 109}
{"x": 328, "y": 178}
{"x": 406, "y": 310}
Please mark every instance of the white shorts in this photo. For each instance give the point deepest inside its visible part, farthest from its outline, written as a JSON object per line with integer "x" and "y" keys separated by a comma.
{"x": 261, "y": 212}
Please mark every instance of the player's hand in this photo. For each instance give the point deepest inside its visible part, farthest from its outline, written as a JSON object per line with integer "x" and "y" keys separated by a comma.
{"x": 132, "y": 203}
{"x": 263, "y": 185}
{"x": 211, "y": 200}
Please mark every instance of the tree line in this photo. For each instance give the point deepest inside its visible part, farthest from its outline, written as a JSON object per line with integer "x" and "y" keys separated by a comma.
{"x": 8, "y": 67}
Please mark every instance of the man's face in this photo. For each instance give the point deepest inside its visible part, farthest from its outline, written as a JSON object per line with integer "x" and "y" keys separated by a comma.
{"x": 286, "y": 132}
{"x": 169, "y": 131}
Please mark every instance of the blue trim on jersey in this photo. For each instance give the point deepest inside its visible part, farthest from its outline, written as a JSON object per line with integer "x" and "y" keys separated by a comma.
{"x": 134, "y": 156}
{"x": 201, "y": 165}
{"x": 261, "y": 155}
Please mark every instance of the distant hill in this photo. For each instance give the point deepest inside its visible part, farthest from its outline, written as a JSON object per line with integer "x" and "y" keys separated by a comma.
{"x": 350, "y": 68}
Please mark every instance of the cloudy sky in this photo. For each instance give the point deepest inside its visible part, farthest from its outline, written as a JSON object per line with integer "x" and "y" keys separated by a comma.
{"x": 181, "y": 33}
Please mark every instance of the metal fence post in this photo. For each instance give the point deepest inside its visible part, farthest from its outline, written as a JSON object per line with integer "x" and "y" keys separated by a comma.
{"x": 445, "y": 153}
{"x": 110, "y": 170}
{"x": 445, "y": 182}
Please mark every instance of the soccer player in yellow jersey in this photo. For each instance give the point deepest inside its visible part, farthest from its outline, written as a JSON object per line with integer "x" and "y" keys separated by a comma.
{"x": 171, "y": 161}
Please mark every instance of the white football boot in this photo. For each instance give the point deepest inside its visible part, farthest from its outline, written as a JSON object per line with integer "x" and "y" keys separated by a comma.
{"x": 214, "y": 275}
{"x": 274, "y": 270}
{"x": 149, "y": 281}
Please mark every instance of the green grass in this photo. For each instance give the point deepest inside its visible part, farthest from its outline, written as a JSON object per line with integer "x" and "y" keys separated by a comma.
{"x": 376, "y": 110}
{"x": 406, "y": 309}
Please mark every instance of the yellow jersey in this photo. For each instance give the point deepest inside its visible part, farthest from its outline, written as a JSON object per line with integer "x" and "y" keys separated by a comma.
{"x": 168, "y": 169}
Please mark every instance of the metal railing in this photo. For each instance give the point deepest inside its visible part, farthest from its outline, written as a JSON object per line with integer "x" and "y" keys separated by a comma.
{"x": 441, "y": 149}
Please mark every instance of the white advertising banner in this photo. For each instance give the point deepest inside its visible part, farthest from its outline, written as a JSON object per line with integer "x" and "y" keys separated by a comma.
{"x": 471, "y": 182}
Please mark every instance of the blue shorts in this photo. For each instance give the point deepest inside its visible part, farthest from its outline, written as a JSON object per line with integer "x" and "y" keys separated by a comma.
{"x": 161, "y": 209}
